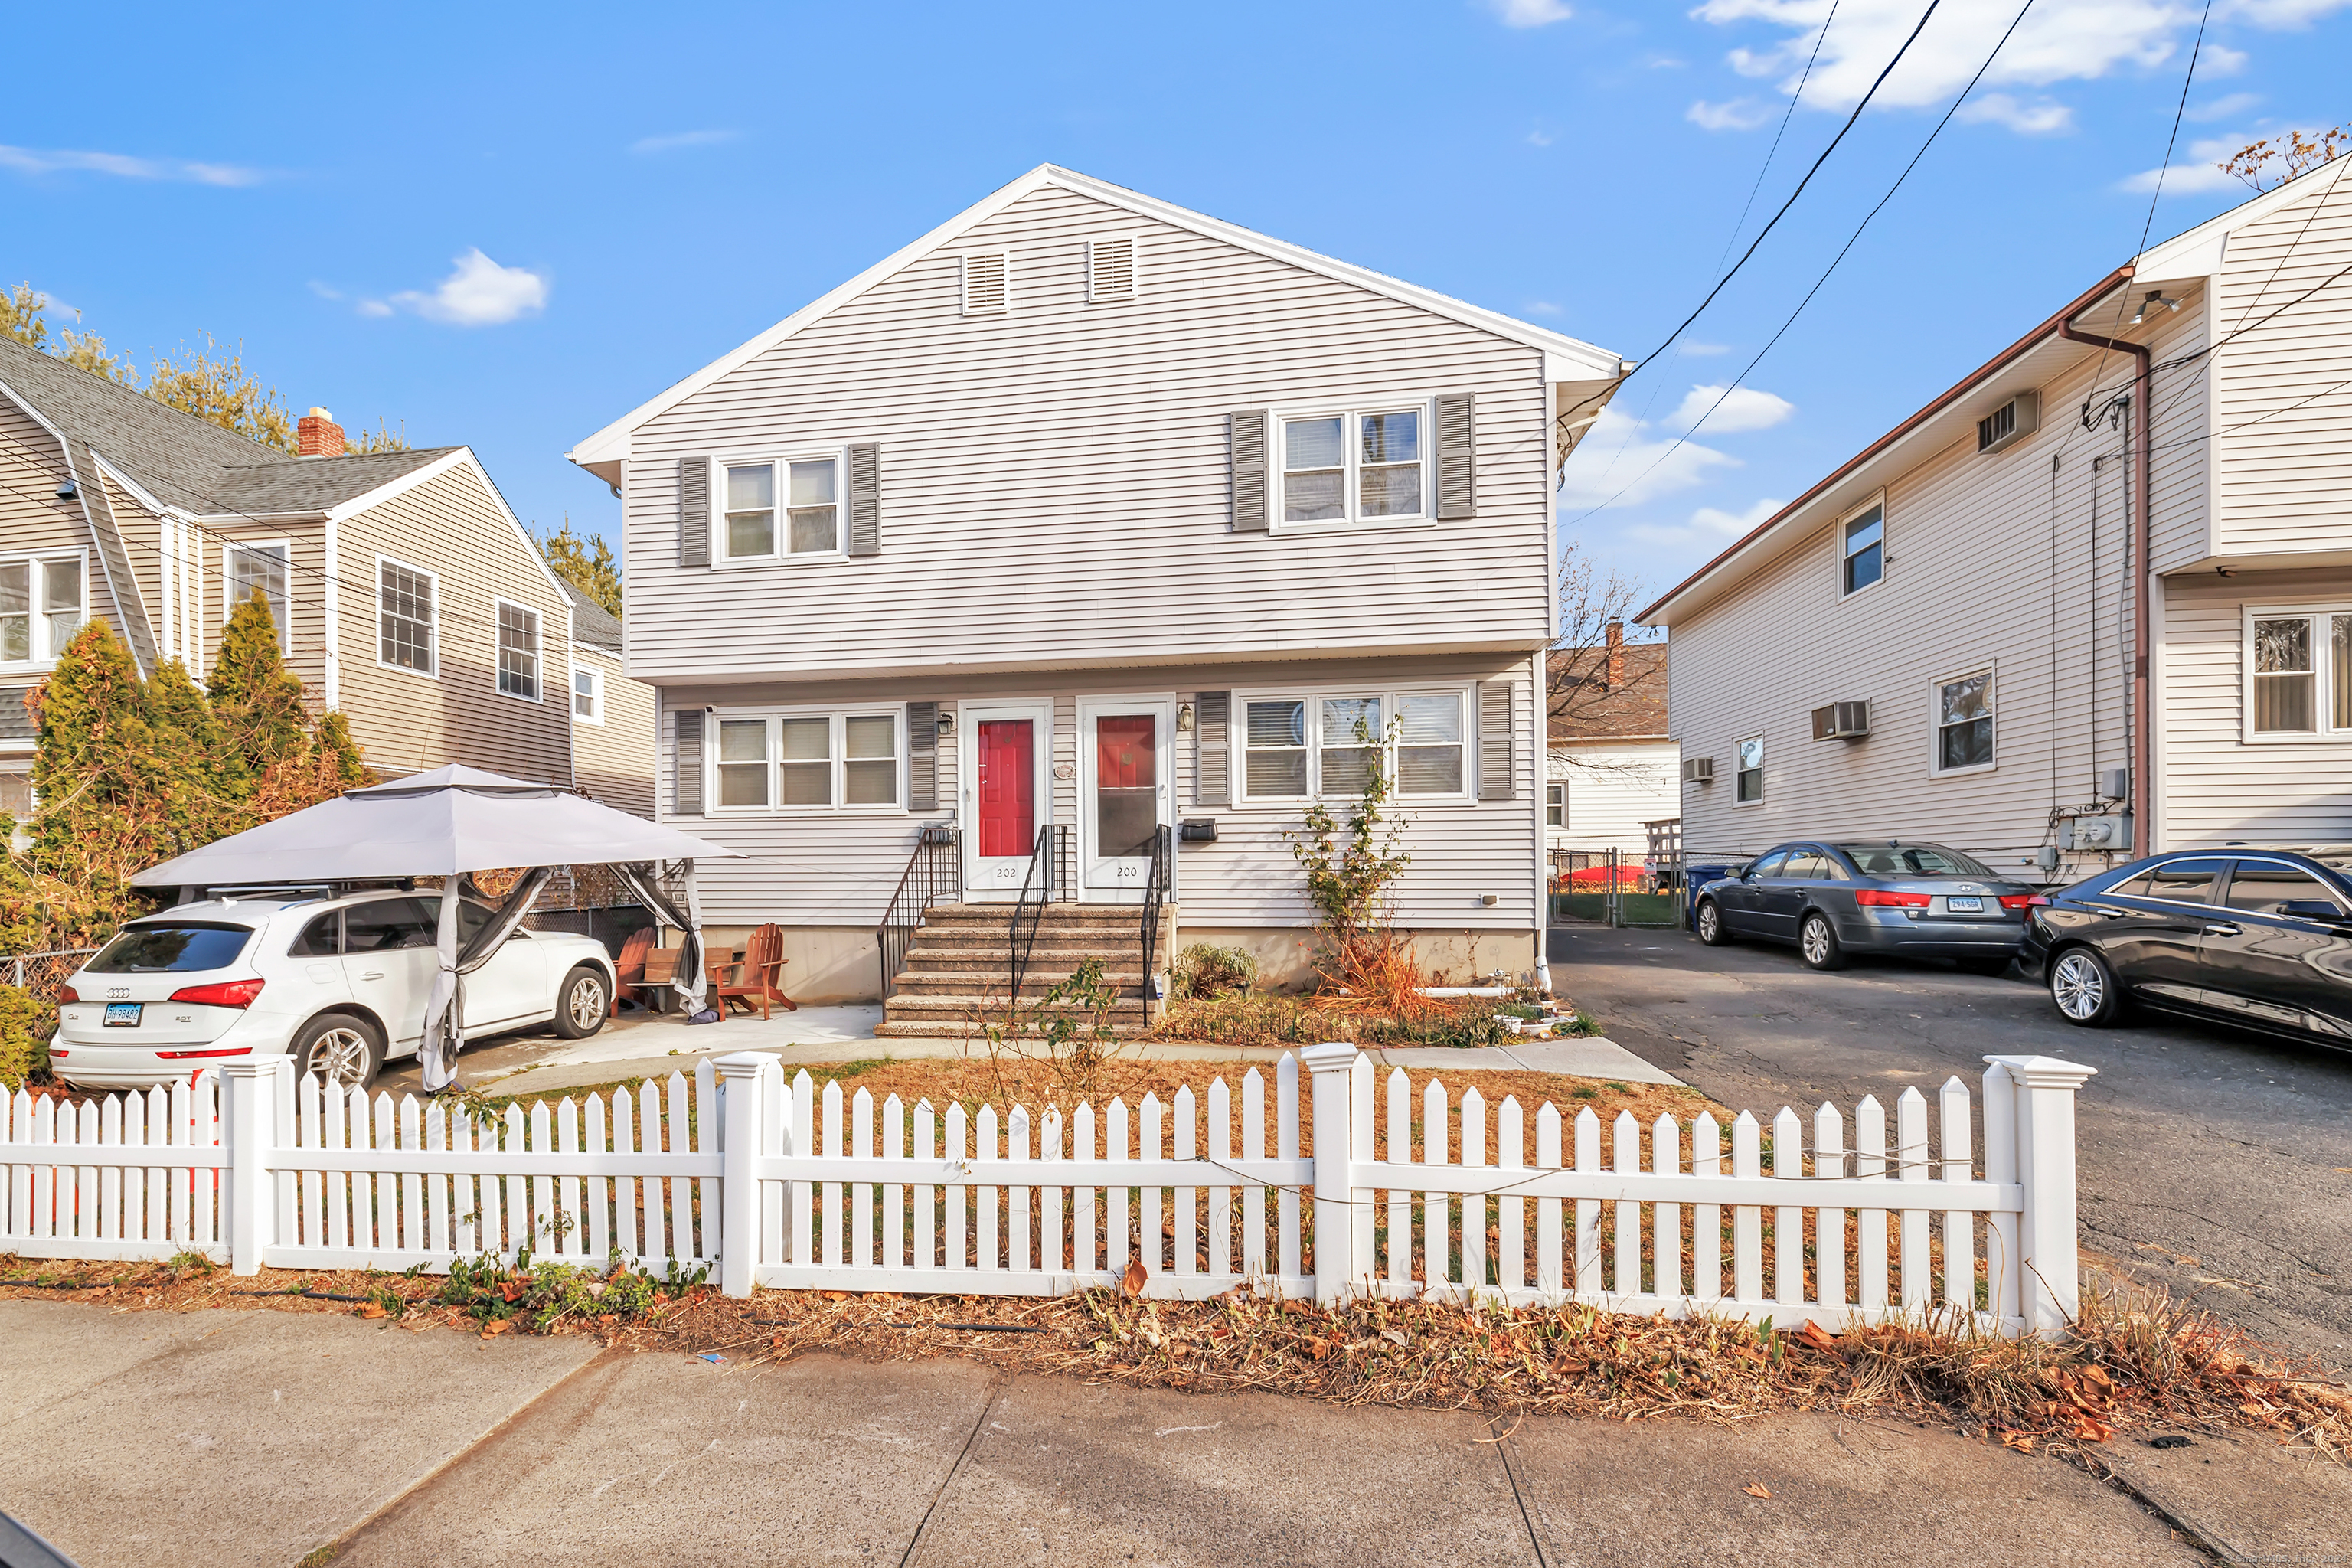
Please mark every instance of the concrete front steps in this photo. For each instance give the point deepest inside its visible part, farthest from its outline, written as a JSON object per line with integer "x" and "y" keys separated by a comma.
{"x": 958, "y": 974}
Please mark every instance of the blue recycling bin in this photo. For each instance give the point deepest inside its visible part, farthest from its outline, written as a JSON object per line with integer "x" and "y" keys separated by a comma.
{"x": 1693, "y": 878}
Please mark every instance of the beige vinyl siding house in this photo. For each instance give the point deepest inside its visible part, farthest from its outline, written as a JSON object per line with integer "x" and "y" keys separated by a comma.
{"x": 174, "y": 521}
{"x": 612, "y": 715}
{"x": 1070, "y": 543}
{"x": 1995, "y": 640}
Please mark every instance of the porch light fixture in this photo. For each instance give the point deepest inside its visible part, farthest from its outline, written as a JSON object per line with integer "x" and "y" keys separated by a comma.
{"x": 946, "y": 723}
{"x": 1183, "y": 718}
{"x": 2148, "y": 307}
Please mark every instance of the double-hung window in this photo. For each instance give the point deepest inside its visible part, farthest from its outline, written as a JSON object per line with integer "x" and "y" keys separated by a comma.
{"x": 804, "y": 761}
{"x": 1371, "y": 465}
{"x": 587, "y": 695}
{"x": 1964, "y": 722}
{"x": 1294, "y": 748}
{"x": 1862, "y": 542}
{"x": 1749, "y": 788}
{"x": 783, "y": 509}
{"x": 518, "y": 651}
{"x": 404, "y": 615}
{"x": 2299, "y": 672}
{"x": 250, "y": 569}
{"x": 41, "y": 606}
{"x": 1555, "y": 806}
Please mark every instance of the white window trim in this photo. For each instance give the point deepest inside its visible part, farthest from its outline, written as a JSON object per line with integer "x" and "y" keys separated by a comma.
{"x": 1561, "y": 789}
{"x": 1936, "y": 721}
{"x": 1349, "y": 411}
{"x": 230, "y": 547}
{"x": 1237, "y": 752}
{"x": 1737, "y": 804}
{"x": 837, "y": 745}
{"x": 1134, "y": 271}
{"x": 382, "y": 560}
{"x": 595, "y": 676}
{"x": 2323, "y": 675}
{"x": 838, "y": 455}
{"x": 45, "y": 657}
{"x": 1837, "y": 545}
{"x": 538, "y": 626}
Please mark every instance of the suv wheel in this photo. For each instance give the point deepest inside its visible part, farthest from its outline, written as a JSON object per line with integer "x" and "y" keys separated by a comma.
{"x": 1817, "y": 942}
{"x": 582, "y": 1005}
{"x": 1710, "y": 926}
{"x": 342, "y": 1051}
{"x": 2084, "y": 985}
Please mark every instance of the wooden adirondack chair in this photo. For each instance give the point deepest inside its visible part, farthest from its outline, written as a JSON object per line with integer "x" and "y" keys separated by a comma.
{"x": 630, "y": 968}
{"x": 756, "y": 974}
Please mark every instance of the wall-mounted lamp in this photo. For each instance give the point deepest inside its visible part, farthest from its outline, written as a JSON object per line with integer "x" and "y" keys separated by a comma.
{"x": 2148, "y": 306}
{"x": 66, "y": 490}
{"x": 1184, "y": 720}
{"x": 947, "y": 725}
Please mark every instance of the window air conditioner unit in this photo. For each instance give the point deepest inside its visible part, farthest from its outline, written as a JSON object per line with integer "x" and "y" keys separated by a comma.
{"x": 1842, "y": 721}
{"x": 1698, "y": 770}
{"x": 2011, "y": 423}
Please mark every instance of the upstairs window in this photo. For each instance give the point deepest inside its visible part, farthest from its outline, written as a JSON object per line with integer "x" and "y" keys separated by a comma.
{"x": 41, "y": 606}
{"x": 1353, "y": 467}
{"x": 404, "y": 598}
{"x": 250, "y": 569}
{"x": 1863, "y": 546}
{"x": 1964, "y": 722}
{"x": 810, "y": 489}
{"x": 587, "y": 695}
{"x": 1555, "y": 806}
{"x": 518, "y": 651}
{"x": 1750, "y": 787}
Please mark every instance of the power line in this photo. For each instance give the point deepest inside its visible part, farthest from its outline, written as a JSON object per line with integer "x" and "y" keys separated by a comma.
{"x": 1733, "y": 384}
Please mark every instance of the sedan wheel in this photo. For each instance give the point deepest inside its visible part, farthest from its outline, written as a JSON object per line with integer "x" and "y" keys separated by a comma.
{"x": 1711, "y": 929}
{"x": 582, "y": 1007}
{"x": 1817, "y": 942}
{"x": 2084, "y": 988}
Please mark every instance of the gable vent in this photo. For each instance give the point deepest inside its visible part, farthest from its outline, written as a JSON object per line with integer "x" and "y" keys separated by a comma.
{"x": 1111, "y": 268}
{"x": 987, "y": 282}
{"x": 2011, "y": 423}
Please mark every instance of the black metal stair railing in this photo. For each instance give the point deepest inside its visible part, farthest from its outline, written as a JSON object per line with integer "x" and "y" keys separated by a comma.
{"x": 1158, "y": 888}
{"x": 934, "y": 875}
{"x": 1047, "y": 882}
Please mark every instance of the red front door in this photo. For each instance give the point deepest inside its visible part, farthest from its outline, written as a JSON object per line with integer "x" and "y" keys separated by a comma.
{"x": 1008, "y": 787}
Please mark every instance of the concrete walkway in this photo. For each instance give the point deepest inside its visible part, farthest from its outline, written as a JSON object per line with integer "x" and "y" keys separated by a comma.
{"x": 644, "y": 1045}
{"x": 222, "y": 1437}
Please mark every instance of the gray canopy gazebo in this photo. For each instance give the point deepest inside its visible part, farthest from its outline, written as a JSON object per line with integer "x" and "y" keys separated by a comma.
{"x": 447, "y": 823}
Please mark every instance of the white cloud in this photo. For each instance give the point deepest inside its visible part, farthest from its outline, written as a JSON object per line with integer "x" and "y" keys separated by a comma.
{"x": 2218, "y": 60}
{"x": 1747, "y": 408}
{"x": 479, "y": 293}
{"x": 373, "y": 307}
{"x": 324, "y": 292}
{"x": 1618, "y": 454}
{"x": 2224, "y": 107}
{"x": 2200, "y": 171}
{"x": 38, "y": 161}
{"x": 2041, "y": 118}
{"x": 678, "y": 139}
{"x": 2060, "y": 40}
{"x": 1740, "y": 114}
{"x": 1530, "y": 13}
{"x": 1709, "y": 528}
{"x": 1542, "y": 308}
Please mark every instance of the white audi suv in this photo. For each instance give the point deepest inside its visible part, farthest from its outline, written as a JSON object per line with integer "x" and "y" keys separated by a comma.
{"x": 339, "y": 984}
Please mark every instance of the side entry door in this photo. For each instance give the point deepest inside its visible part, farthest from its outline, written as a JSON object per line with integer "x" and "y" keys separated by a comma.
{"x": 2279, "y": 953}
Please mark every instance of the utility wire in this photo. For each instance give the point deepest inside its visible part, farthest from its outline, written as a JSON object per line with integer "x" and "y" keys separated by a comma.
{"x": 1734, "y": 384}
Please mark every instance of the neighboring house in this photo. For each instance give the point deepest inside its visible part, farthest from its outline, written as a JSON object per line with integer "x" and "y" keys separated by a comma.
{"x": 612, "y": 715}
{"x": 1950, "y": 638}
{"x": 1613, "y": 761}
{"x": 1085, "y": 509}
{"x": 406, "y": 593}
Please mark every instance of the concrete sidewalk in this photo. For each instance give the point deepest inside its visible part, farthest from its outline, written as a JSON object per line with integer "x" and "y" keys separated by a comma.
{"x": 260, "y": 1438}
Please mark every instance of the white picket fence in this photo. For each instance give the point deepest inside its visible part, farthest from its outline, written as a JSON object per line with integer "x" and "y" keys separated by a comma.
{"x": 1847, "y": 1227}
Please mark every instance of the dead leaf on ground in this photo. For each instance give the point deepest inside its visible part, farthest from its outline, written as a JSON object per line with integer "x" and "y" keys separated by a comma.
{"x": 1757, "y": 1489}
{"x": 373, "y": 1309}
{"x": 497, "y": 1326}
{"x": 2021, "y": 1441}
{"x": 1136, "y": 1278}
{"x": 836, "y": 1294}
{"x": 1818, "y": 1337}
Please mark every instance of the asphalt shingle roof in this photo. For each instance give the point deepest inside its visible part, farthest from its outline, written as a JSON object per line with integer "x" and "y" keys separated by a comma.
{"x": 1636, "y": 710}
{"x": 590, "y": 622}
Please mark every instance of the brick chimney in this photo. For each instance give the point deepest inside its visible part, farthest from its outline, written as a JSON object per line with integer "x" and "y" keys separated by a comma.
{"x": 1615, "y": 634}
{"x": 316, "y": 435}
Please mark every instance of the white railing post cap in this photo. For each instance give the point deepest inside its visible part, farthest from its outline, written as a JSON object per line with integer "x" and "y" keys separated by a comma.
{"x": 744, "y": 1064}
{"x": 1329, "y": 1054}
{"x": 2046, "y": 1072}
{"x": 253, "y": 1067}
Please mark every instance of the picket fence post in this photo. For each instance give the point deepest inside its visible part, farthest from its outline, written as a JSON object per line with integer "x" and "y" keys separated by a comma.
{"x": 745, "y": 1090}
{"x": 1334, "y": 1231}
{"x": 2048, "y": 1288}
{"x": 255, "y": 1087}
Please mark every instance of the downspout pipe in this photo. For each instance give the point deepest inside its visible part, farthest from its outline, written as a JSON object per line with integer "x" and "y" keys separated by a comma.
{"x": 2143, "y": 510}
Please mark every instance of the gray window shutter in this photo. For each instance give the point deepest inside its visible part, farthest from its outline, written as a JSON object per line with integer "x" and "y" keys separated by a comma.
{"x": 1246, "y": 433}
{"x": 1212, "y": 773}
{"x": 1498, "y": 752}
{"x": 1458, "y": 467}
{"x": 694, "y": 513}
{"x": 686, "y": 796}
{"x": 922, "y": 756}
{"x": 866, "y": 499}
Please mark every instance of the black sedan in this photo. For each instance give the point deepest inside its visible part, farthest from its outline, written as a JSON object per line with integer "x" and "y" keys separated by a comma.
{"x": 1832, "y": 897}
{"x": 2262, "y": 939}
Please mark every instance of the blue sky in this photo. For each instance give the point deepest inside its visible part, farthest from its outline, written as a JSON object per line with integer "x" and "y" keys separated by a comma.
{"x": 506, "y": 226}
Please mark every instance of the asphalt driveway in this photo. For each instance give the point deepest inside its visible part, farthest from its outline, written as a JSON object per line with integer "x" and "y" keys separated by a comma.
{"x": 2217, "y": 1162}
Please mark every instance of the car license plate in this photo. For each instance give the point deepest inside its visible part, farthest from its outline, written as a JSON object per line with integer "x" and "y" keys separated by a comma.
{"x": 1965, "y": 906}
{"x": 124, "y": 1014}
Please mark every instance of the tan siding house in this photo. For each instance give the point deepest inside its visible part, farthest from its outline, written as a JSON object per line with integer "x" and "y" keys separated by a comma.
{"x": 612, "y": 715}
{"x": 1000, "y": 537}
{"x": 119, "y": 507}
{"x": 1979, "y": 583}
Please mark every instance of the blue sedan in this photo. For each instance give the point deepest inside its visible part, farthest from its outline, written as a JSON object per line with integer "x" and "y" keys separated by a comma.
{"x": 1835, "y": 896}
